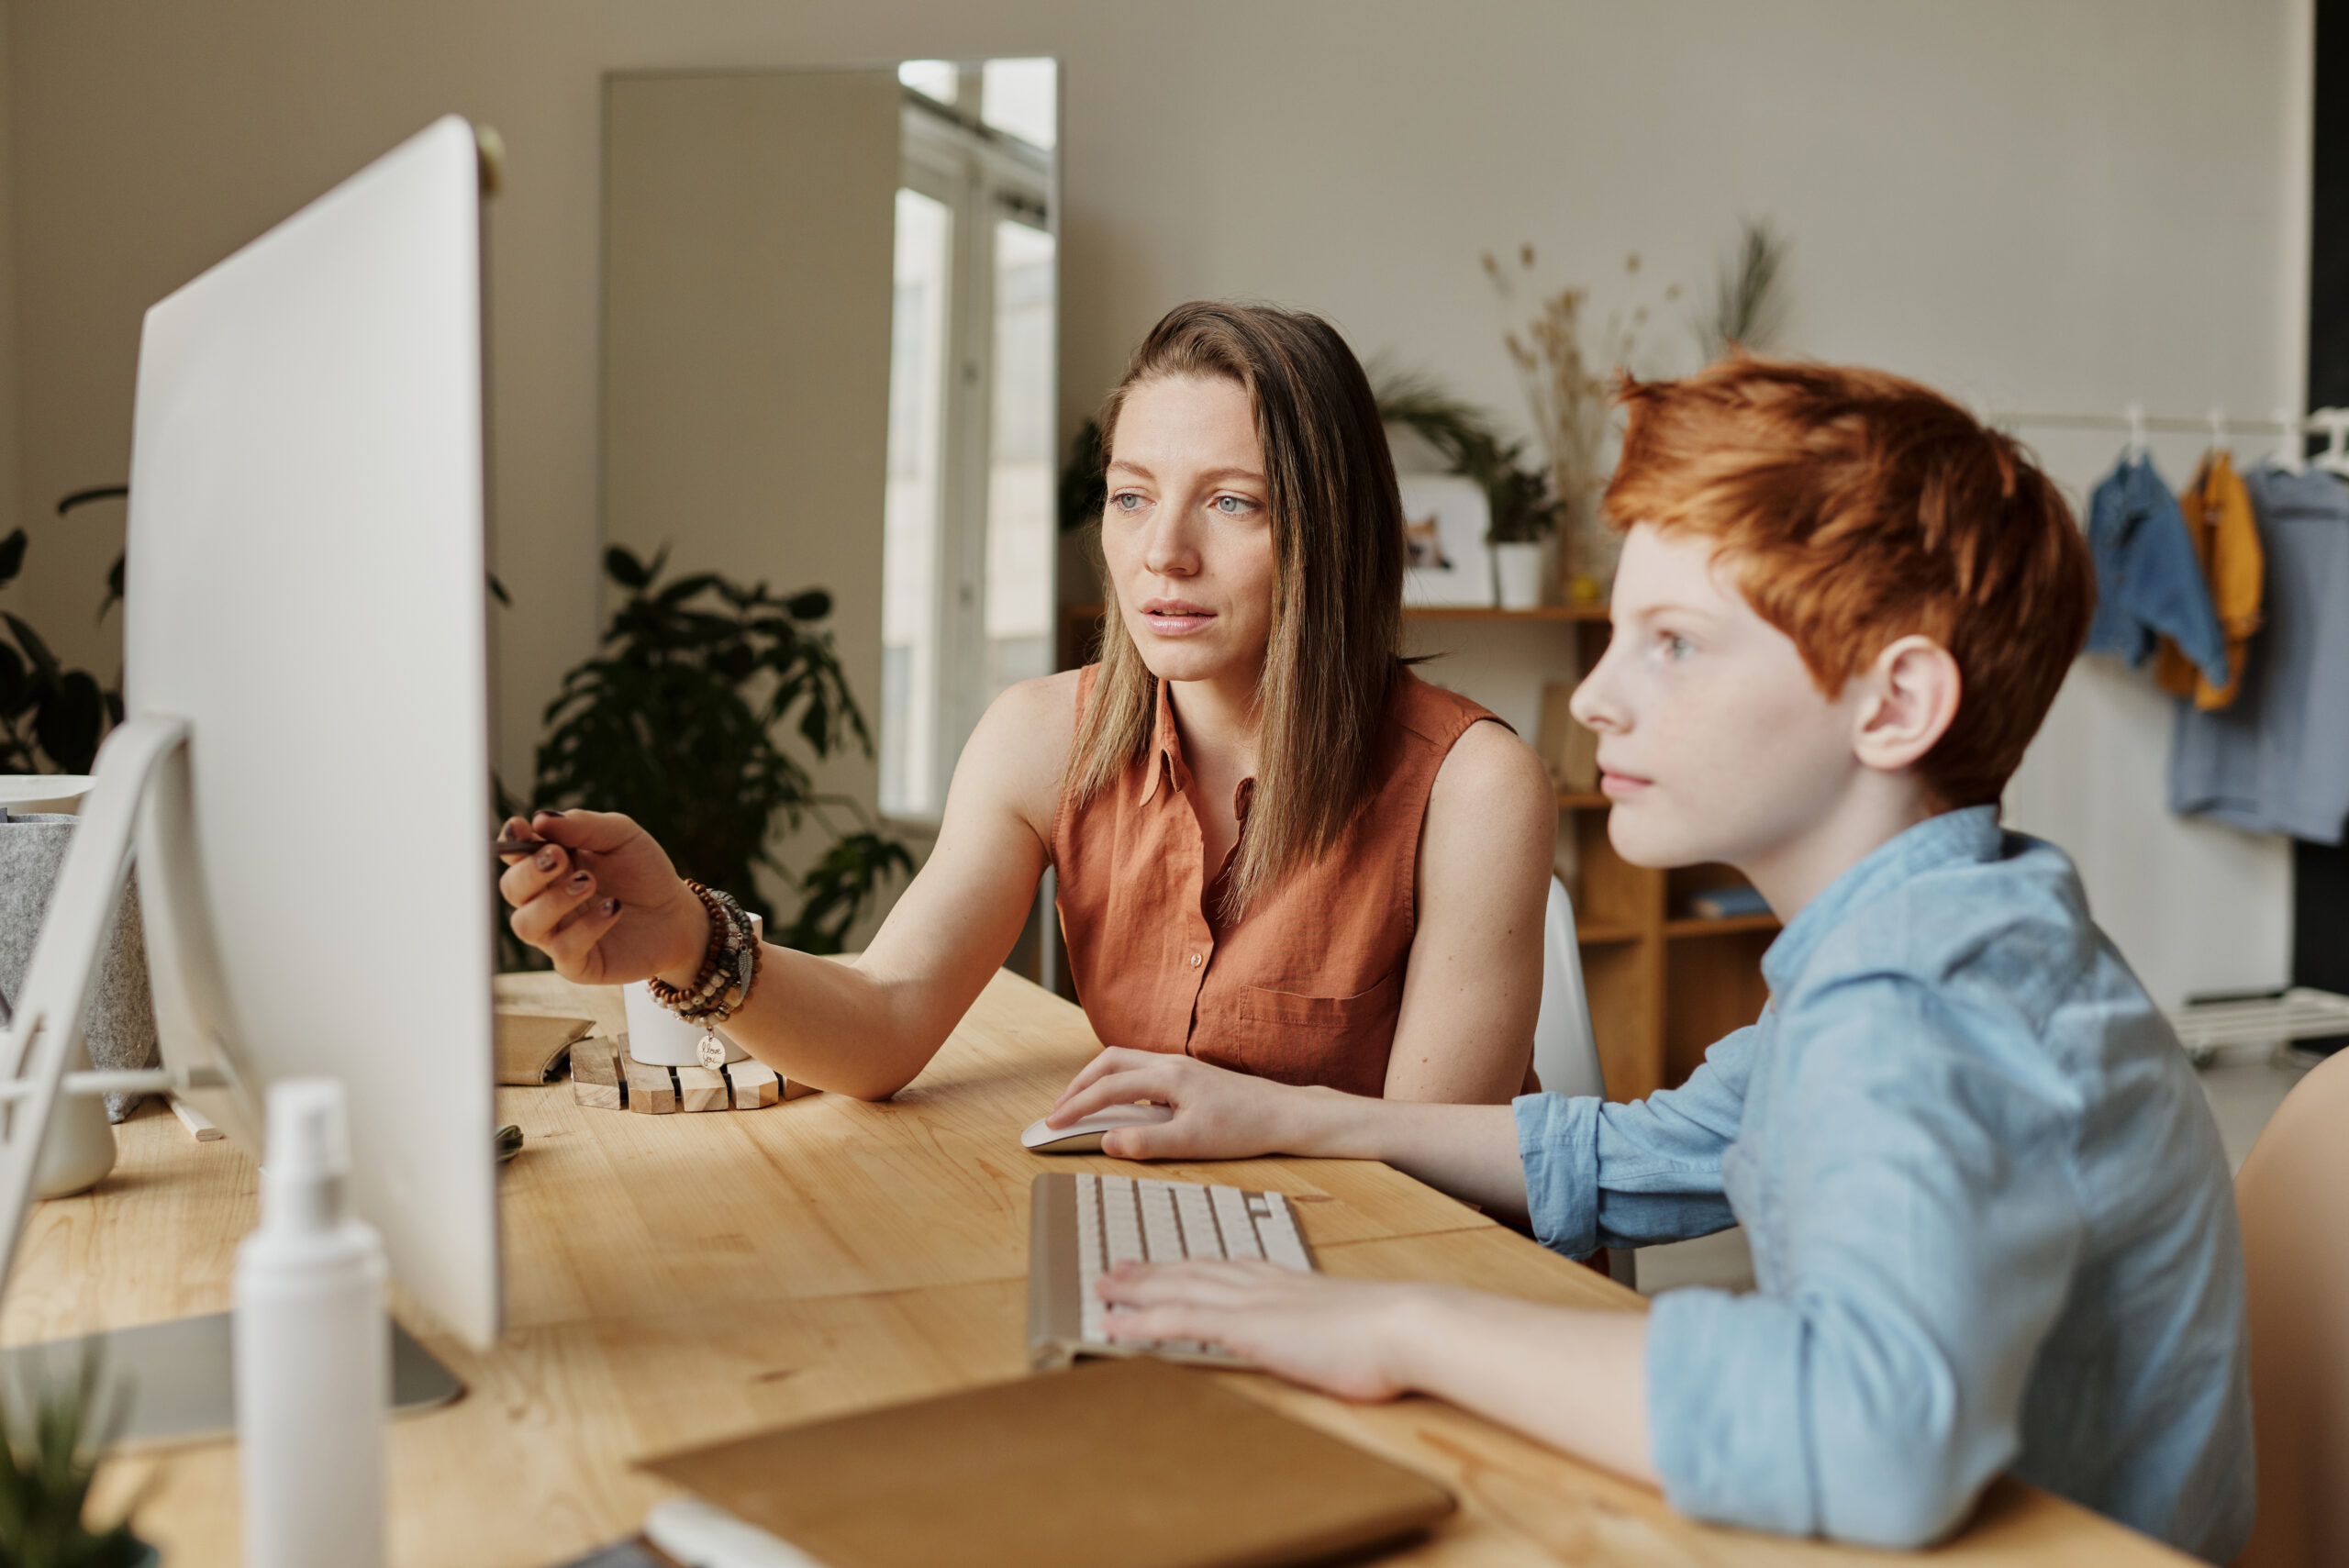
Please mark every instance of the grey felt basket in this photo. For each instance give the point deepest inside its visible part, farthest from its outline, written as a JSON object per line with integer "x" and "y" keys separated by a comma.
{"x": 120, "y": 1020}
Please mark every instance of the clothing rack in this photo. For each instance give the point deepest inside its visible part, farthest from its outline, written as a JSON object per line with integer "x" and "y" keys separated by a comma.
{"x": 2331, "y": 423}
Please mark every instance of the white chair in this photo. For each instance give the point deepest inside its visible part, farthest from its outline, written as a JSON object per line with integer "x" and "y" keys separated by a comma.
{"x": 1565, "y": 1052}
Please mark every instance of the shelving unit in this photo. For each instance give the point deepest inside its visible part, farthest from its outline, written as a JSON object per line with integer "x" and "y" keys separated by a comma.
{"x": 1662, "y": 985}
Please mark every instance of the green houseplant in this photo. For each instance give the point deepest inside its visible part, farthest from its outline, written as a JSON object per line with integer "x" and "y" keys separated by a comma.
{"x": 679, "y": 720}
{"x": 51, "y": 719}
{"x": 49, "y": 1456}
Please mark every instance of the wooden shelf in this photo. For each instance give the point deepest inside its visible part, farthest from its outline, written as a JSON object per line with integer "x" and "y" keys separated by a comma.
{"x": 1584, "y": 800}
{"x": 1600, "y": 932}
{"x": 1489, "y": 612}
{"x": 1698, "y": 927}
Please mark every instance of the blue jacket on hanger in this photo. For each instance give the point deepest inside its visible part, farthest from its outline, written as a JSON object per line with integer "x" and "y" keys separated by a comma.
{"x": 2149, "y": 584}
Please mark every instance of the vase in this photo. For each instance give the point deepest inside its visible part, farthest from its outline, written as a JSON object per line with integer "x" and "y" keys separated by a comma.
{"x": 1517, "y": 571}
{"x": 120, "y": 1020}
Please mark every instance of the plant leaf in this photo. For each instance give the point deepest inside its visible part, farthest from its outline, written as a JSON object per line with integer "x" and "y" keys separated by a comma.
{"x": 622, "y": 567}
{"x": 12, "y": 556}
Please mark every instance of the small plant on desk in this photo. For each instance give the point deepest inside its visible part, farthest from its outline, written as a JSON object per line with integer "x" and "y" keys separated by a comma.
{"x": 678, "y": 721}
{"x": 47, "y": 1463}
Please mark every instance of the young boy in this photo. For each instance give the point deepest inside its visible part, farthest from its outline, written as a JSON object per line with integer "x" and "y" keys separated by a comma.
{"x": 1991, "y": 1222}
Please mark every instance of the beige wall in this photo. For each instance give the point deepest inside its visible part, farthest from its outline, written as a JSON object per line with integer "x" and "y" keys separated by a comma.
{"x": 749, "y": 228}
{"x": 2067, "y": 206}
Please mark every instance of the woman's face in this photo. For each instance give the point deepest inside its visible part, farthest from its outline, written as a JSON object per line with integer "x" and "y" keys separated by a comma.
{"x": 1187, "y": 529}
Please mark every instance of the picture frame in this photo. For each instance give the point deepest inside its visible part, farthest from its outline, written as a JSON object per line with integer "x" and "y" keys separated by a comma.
{"x": 1447, "y": 561}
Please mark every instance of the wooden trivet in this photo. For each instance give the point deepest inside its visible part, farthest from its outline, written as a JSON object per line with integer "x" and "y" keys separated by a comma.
{"x": 603, "y": 1075}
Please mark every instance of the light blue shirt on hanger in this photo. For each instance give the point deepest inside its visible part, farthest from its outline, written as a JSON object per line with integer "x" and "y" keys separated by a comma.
{"x": 1991, "y": 1220}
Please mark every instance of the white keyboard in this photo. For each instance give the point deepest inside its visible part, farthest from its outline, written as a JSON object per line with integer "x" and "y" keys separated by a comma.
{"x": 1082, "y": 1226}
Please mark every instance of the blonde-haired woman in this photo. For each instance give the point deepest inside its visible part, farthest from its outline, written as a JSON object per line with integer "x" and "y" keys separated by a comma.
{"x": 1278, "y": 849}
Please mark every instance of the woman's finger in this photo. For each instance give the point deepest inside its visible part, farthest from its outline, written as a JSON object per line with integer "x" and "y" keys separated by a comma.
{"x": 536, "y": 921}
{"x": 524, "y": 879}
{"x": 573, "y": 943}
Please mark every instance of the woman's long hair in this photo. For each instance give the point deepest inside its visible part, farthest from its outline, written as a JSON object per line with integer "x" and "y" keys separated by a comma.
{"x": 1337, "y": 630}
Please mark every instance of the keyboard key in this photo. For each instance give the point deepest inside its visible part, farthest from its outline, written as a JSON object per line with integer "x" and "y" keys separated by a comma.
{"x": 1232, "y": 1214}
{"x": 1277, "y": 1230}
{"x": 1200, "y": 1238}
{"x": 1160, "y": 1233}
{"x": 1088, "y": 1256}
{"x": 1121, "y": 1224}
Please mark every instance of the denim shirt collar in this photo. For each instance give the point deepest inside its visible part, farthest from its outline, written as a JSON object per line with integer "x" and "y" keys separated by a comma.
{"x": 1970, "y": 834}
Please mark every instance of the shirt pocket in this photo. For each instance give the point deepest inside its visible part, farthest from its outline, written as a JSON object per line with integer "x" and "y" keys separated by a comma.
{"x": 1342, "y": 1042}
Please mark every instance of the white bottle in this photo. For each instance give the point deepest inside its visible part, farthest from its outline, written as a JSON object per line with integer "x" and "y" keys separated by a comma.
{"x": 313, "y": 1349}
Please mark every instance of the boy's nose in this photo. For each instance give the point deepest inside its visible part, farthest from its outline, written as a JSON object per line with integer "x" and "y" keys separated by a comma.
{"x": 1594, "y": 704}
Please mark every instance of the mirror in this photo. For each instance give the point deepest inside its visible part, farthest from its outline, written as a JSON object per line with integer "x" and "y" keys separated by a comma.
{"x": 830, "y": 333}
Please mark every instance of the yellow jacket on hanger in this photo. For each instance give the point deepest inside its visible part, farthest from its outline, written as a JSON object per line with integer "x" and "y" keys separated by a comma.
{"x": 2225, "y": 532}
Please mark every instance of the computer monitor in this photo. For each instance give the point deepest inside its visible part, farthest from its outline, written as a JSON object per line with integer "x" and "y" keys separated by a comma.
{"x": 307, "y": 738}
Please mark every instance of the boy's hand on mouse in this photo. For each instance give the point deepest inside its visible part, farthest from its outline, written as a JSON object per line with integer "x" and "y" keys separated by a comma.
{"x": 602, "y": 900}
{"x": 1218, "y": 1114}
{"x": 1344, "y": 1337}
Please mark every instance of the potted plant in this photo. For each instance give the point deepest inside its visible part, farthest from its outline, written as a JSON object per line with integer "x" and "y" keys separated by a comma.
{"x": 46, "y": 1463}
{"x": 1518, "y": 499}
{"x": 680, "y": 721}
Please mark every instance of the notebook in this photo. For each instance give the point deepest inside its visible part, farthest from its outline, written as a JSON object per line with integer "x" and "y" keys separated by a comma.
{"x": 1135, "y": 1464}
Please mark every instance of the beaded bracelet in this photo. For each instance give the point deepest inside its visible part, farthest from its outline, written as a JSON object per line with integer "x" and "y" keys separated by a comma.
{"x": 729, "y": 966}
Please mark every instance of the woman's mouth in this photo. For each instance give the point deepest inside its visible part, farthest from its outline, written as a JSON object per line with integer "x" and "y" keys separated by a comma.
{"x": 1175, "y": 617}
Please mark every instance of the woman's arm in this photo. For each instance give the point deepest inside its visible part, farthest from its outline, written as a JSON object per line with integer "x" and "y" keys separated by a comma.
{"x": 1473, "y": 987}
{"x": 609, "y": 908}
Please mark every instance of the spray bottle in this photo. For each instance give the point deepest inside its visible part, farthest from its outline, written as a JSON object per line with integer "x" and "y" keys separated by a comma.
{"x": 313, "y": 1349}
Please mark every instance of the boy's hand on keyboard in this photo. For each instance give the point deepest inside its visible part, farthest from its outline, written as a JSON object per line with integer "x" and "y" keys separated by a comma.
{"x": 1343, "y": 1337}
{"x": 1218, "y": 1114}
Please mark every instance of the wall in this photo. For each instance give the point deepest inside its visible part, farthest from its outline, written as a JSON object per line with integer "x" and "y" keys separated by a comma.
{"x": 2049, "y": 207}
{"x": 748, "y": 249}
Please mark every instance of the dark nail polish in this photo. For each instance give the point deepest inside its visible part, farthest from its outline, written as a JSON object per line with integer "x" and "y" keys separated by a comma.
{"x": 611, "y": 906}
{"x": 579, "y": 880}
{"x": 548, "y": 860}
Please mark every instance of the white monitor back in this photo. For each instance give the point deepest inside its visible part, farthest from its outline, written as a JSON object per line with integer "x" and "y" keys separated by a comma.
{"x": 306, "y": 589}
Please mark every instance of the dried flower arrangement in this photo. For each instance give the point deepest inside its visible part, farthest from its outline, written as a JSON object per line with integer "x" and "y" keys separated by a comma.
{"x": 1569, "y": 393}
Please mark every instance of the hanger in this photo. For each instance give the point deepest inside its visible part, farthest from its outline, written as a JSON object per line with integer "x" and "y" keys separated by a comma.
{"x": 2218, "y": 428}
{"x": 2292, "y": 455}
{"x": 2334, "y": 423}
{"x": 2135, "y": 415}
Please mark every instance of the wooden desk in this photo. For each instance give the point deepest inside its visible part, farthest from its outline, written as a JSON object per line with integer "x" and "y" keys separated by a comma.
{"x": 673, "y": 1280}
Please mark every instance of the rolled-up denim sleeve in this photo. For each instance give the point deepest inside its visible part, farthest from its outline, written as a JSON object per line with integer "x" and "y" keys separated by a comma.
{"x": 1930, "y": 1225}
{"x": 1602, "y": 1174}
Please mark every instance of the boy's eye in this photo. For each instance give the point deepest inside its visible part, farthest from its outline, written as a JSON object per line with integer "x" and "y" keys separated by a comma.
{"x": 1674, "y": 645}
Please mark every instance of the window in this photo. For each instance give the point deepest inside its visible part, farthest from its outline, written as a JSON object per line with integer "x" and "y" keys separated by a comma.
{"x": 971, "y": 541}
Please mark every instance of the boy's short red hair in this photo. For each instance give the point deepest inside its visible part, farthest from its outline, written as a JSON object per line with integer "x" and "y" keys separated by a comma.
{"x": 1856, "y": 508}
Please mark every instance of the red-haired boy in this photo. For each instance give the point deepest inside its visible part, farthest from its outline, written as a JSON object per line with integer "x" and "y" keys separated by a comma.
{"x": 1991, "y": 1223}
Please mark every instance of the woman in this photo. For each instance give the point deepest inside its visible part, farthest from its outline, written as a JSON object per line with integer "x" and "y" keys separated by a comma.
{"x": 1277, "y": 848}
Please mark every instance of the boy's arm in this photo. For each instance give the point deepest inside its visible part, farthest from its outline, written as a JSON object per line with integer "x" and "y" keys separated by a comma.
{"x": 1574, "y": 1378}
{"x": 1920, "y": 1193}
{"x": 1586, "y": 1173}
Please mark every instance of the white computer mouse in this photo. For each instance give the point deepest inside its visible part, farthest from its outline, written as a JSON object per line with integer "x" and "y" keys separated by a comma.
{"x": 1083, "y": 1135}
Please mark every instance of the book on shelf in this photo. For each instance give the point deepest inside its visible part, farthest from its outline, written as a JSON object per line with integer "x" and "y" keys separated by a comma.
{"x": 1727, "y": 904}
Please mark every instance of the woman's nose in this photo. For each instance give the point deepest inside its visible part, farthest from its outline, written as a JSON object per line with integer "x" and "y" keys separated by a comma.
{"x": 1168, "y": 548}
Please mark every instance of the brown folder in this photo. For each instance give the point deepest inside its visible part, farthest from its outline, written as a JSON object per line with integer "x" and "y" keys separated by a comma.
{"x": 1113, "y": 1464}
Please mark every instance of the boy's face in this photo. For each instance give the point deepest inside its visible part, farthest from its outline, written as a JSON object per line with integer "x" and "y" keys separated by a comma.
{"x": 1714, "y": 743}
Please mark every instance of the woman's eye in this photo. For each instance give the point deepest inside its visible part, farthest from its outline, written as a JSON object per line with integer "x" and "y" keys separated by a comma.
{"x": 1233, "y": 506}
{"x": 1126, "y": 501}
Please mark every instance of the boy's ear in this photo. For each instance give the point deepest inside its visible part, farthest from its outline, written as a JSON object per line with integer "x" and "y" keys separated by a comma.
{"x": 1912, "y": 691}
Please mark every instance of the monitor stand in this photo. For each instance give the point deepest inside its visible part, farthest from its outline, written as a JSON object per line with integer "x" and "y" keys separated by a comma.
{"x": 178, "y": 1379}
{"x": 180, "y": 1373}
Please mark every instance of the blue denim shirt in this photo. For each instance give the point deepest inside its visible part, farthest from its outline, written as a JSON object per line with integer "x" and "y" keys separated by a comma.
{"x": 2149, "y": 582}
{"x": 1991, "y": 1220}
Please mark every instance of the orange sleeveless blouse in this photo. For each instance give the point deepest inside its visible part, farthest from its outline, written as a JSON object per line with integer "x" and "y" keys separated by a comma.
{"x": 1306, "y": 986}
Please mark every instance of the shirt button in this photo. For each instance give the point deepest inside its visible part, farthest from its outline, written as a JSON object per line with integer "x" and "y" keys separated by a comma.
{"x": 1195, "y": 961}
